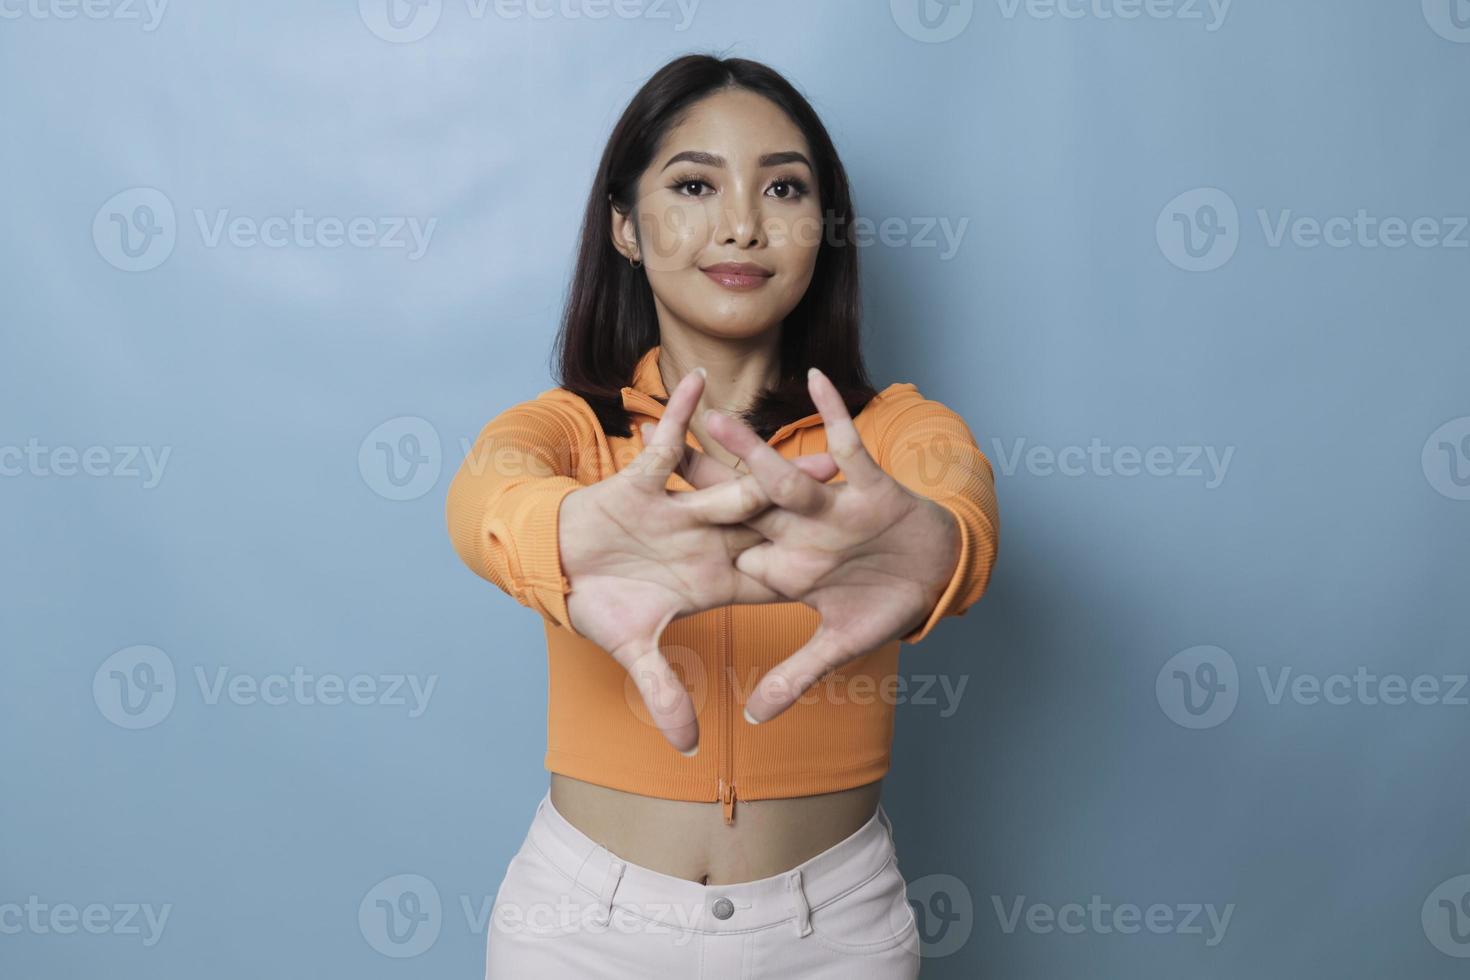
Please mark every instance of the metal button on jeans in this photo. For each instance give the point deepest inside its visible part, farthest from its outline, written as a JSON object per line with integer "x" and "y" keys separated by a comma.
{"x": 724, "y": 908}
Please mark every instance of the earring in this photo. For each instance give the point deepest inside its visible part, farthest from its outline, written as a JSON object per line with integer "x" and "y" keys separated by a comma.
{"x": 636, "y": 263}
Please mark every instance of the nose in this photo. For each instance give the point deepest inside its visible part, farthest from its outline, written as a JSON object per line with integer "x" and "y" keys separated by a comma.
{"x": 740, "y": 221}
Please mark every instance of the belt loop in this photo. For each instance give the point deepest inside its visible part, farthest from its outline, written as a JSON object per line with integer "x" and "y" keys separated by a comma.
{"x": 609, "y": 887}
{"x": 799, "y": 906}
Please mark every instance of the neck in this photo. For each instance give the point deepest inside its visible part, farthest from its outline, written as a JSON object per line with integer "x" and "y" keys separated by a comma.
{"x": 738, "y": 369}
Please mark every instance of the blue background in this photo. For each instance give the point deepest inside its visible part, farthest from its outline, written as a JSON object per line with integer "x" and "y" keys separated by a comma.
{"x": 274, "y": 541}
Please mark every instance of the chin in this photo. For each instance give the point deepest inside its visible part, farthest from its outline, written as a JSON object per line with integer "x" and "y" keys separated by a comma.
{"x": 739, "y": 324}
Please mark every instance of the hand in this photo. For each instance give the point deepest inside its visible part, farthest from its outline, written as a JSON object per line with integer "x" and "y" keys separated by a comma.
{"x": 638, "y": 556}
{"x": 868, "y": 554}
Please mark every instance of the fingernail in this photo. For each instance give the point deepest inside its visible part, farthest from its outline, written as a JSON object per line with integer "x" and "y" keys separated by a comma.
{"x": 701, "y": 372}
{"x": 746, "y": 713}
{"x": 691, "y": 753}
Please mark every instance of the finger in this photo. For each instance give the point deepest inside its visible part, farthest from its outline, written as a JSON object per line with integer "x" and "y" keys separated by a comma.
{"x": 739, "y": 537}
{"x": 784, "y": 683}
{"x": 818, "y": 466}
{"x": 667, "y": 699}
{"x": 744, "y": 500}
{"x": 757, "y": 561}
{"x": 705, "y": 471}
{"x": 785, "y": 484}
{"x": 843, "y": 441}
{"x": 753, "y": 591}
{"x": 732, "y": 502}
{"x": 647, "y": 429}
{"x": 664, "y": 452}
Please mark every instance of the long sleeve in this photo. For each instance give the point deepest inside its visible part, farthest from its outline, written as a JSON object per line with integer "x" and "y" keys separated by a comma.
{"x": 503, "y": 504}
{"x": 928, "y": 448}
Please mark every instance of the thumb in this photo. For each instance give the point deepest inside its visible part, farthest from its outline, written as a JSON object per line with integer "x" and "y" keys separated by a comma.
{"x": 669, "y": 705}
{"x": 784, "y": 683}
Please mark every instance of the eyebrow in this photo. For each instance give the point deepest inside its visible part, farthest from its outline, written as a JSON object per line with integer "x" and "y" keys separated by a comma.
{"x": 715, "y": 160}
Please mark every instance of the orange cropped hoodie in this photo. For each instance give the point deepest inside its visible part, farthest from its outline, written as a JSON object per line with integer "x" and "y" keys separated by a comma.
{"x": 502, "y": 513}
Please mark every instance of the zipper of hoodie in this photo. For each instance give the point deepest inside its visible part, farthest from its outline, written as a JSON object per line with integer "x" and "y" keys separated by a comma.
{"x": 726, "y": 786}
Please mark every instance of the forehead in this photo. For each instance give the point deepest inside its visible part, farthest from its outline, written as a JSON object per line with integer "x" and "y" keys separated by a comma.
{"x": 736, "y": 124}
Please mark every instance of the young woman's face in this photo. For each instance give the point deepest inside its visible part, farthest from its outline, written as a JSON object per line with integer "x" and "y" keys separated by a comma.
{"x": 731, "y": 186}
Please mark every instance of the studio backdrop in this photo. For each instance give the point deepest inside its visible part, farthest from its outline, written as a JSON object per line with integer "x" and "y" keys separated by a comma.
{"x": 1195, "y": 272}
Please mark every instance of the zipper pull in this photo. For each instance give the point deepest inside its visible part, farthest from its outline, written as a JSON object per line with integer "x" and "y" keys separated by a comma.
{"x": 727, "y": 796}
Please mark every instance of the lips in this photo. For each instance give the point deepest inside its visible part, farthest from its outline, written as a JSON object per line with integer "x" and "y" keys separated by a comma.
{"x": 738, "y": 275}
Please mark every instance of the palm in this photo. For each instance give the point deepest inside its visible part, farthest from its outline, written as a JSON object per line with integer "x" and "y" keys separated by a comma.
{"x": 867, "y": 554}
{"x": 638, "y": 556}
{"x": 657, "y": 561}
{"x": 855, "y": 564}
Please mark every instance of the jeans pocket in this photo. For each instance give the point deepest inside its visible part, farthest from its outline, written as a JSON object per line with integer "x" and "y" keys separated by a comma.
{"x": 536, "y": 900}
{"x": 871, "y": 918}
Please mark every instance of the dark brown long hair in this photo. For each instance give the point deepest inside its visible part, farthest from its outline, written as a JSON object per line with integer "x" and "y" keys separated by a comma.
{"x": 610, "y": 320}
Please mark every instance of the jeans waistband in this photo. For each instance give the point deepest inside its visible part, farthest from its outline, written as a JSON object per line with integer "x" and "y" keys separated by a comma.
{"x": 680, "y": 903}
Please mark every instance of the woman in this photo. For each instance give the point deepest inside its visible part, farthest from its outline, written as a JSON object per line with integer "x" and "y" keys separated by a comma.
{"x": 727, "y": 549}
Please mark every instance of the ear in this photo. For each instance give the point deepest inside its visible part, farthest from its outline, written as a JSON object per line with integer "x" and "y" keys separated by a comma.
{"x": 623, "y": 228}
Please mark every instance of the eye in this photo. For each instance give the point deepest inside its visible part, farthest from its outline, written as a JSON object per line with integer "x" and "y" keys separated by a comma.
{"x": 688, "y": 185}
{"x": 791, "y": 188}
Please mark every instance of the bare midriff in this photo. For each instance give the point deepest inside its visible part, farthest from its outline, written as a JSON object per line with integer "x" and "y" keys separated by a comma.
{"x": 693, "y": 841}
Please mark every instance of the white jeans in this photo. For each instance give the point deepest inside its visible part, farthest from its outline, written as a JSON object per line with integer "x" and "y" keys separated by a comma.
{"x": 569, "y": 908}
